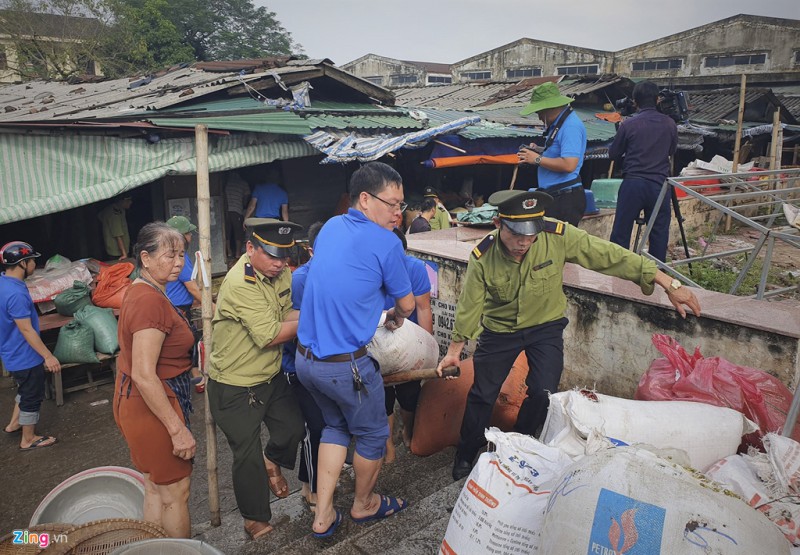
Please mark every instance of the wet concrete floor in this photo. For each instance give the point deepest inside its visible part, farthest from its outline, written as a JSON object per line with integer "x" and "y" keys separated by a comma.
{"x": 88, "y": 438}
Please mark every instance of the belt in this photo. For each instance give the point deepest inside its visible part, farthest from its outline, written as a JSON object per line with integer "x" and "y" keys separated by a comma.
{"x": 345, "y": 357}
{"x": 564, "y": 191}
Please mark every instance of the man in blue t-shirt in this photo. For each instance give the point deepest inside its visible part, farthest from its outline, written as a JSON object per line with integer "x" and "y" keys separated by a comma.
{"x": 560, "y": 159}
{"x": 407, "y": 394}
{"x": 357, "y": 260}
{"x": 21, "y": 349}
{"x": 269, "y": 200}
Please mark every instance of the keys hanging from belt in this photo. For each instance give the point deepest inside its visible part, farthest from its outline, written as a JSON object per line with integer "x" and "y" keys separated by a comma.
{"x": 358, "y": 384}
{"x": 252, "y": 400}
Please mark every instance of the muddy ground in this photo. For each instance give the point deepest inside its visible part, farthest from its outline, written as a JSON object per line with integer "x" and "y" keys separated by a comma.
{"x": 88, "y": 438}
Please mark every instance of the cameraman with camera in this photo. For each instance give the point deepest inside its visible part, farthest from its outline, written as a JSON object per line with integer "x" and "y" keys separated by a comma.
{"x": 644, "y": 144}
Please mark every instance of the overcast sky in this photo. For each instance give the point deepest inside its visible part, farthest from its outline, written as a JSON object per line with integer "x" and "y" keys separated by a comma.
{"x": 447, "y": 31}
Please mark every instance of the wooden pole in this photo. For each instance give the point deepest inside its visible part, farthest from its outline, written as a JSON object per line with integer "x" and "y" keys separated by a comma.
{"x": 204, "y": 229}
{"x": 611, "y": 169}
{"x": 514, "y": 177}
{"x": 740, "y": 118}
{"x": 738, "y": 143}
{"x": 775, "y": 147}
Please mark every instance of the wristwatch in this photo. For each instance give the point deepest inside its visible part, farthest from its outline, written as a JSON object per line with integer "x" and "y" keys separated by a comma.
{"x": 674, "y": 285}
{"x": 537, "y": 160}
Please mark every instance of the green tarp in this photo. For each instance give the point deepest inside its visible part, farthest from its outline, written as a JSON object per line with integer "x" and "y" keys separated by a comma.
{"x": 45, "y": 174}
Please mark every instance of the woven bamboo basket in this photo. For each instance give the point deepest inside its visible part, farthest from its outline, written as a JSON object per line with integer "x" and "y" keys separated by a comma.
{"x": 101, "y": 537}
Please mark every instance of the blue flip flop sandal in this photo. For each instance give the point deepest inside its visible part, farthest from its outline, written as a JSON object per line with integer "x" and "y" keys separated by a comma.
{"x": 332, "y": 528}
{"x": 39, "y": 444}
{"x": 389, "y": 506}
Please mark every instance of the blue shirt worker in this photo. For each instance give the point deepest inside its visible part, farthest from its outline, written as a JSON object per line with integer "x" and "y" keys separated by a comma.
{"x": 315, "y": 423}
{"x": 643, "y": 145}
{"x": 22, "y": 351}
{"x": 269, "y": 200}
{"x": 513, "y": 298}
{"x": 357, "y": 260}
{"x": 246, "y": 387}
{"x": 184, "y": 291}
{"x": 559, "y": 162}
{"x": 407, "y": 394}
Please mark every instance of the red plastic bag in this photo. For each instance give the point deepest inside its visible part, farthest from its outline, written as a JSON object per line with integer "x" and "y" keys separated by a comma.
{"x": 759, "y": 396}
{"x": 111, "y": 285}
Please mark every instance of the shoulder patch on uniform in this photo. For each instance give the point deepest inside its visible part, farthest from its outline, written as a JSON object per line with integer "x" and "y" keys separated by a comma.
{"x": 554, "y": 226}
{"x": 249, "y": 273}
{"x": 284, "y": 293}
{"x": 481, "y": 248}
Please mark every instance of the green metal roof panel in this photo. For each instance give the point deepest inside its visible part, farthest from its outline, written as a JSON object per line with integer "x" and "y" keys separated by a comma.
{"x": 333, "y": 121}
{"x": 279, "y": 122}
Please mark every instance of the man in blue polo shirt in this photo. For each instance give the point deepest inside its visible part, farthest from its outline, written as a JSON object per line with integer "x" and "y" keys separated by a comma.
{"x": 21, "y": 349}
{"x": 269, "y": 200}
{"x": 561, "y": 158}
{"x": 357, "y": 260}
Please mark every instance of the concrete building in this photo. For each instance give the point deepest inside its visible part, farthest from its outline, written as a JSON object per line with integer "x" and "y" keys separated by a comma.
{"x": 389, "y": 72}
{"x": 718, "y": 52}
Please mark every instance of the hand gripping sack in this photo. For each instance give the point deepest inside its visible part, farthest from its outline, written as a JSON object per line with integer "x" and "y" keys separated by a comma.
{"x": 103, "y": 324}
{"x": 501, "y": 508}
{"x": 111, "y": 285}
{"x": 409, "y": 347}
{"x": 71, "y": 300}
{"x": 75, "y": 344}
{"x": 628, "y": 500}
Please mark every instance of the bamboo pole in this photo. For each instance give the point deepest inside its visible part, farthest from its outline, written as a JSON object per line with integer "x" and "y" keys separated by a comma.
{"x": 775, "y": 147}
{"x": 738, "y": 143}
{"x": 204, "y": 229}
{"x": 611, "y": 169}
{"x": 513, "y": 177}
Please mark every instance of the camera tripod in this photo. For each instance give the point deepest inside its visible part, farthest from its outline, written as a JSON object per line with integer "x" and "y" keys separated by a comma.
{"x": 676, "y": 210}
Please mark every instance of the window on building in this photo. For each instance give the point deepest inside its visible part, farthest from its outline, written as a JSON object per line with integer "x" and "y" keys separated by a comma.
{"x": 3, "y": 59}
{"x": 737, "y": 60}
{"x": 521, "y": 73}
{"x": 477, "y": 75}
{"x": 578, "y": 70}
{"x": 375, "y": 79}
{"x": 439, "y": 80}
{"x": 403, "y": 79}
{"x": 797, "y": 57}
{"x": 654, "y": 65}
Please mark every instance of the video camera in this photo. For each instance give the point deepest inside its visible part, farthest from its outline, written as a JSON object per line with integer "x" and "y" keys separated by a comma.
{"x": 674, "y": 104}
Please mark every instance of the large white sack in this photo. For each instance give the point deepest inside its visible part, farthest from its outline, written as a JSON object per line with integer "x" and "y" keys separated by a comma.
{"x": 766, "y": 481}
{"x": 409, "y": 347}
{"x": 501, "y": 507}
{"x": 628, "y": 500}
{"x": 705, "y": 432}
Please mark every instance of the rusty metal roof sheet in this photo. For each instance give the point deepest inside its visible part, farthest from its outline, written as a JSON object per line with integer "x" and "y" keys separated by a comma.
{"x": 723, "y": 104}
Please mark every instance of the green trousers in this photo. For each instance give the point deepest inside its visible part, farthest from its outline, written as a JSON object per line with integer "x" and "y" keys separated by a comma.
{"x": 239, "y": 413}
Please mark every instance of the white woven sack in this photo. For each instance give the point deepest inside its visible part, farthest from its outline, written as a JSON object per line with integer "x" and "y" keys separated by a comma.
{"x": 705, "y": 432}
{"x": 409, "y": 347}
{"x": 628, "y": 500}
{"x": 501, "y": 507}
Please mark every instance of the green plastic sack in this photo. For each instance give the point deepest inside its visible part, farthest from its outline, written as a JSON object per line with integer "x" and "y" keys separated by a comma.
{"x": 103, "y": 324}
{"x": 75, "y": 344}
{"x": 71, "y": 300}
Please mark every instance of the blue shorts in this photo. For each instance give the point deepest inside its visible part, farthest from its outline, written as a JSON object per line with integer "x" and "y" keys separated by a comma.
{"x": 346, "y": 411}
{"x": 30, "y": 393}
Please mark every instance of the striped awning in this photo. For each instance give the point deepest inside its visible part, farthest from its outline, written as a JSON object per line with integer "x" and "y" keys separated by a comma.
{"x": 46, "y": 174}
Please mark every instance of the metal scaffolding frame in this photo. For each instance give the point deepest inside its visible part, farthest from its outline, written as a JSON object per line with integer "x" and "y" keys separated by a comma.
{"x": 753, "y": 199}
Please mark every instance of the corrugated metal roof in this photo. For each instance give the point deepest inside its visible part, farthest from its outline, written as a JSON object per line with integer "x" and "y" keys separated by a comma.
{"x": 483, "y": 130}
{"x": 270, "y": 121}
{"x": 791, "y": 102}
{"x": 42, "y": 101}
{"x": 448, "y": 97}
{"x": 715, "y": 106}
{"x": 332, "y": 121}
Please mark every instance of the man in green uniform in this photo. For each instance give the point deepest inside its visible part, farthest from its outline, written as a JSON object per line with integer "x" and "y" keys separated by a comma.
{"x": 116, "y": 239}
{"x": 246, "y": 386}
{"x": 513, "y": 298}
{"x": 441, "y": 218}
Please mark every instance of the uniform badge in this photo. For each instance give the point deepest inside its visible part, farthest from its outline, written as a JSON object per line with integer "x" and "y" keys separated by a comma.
{"x": 284, "y": 230}
{"x": 483, "y": 246}
{"x": 529, "y": 203}
{"x": 249, "y": 273}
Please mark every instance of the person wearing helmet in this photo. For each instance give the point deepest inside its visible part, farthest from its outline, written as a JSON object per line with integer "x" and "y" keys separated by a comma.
{"x": 21, "y": 349}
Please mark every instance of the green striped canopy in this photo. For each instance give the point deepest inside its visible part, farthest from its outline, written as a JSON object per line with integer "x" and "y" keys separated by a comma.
{"x": 46, "y": 174}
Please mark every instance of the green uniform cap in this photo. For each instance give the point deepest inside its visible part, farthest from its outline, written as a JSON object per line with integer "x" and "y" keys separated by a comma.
{"x": 274, "y": 236}
{"x": 182, "y": 224}
{"x": 522, "y": 211}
